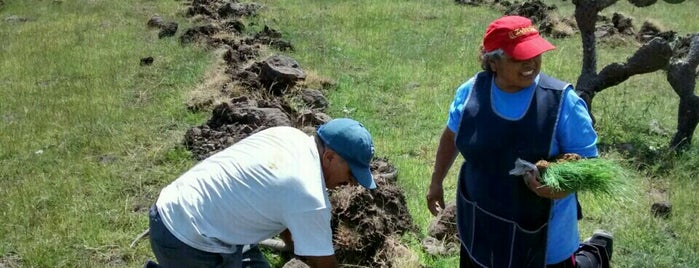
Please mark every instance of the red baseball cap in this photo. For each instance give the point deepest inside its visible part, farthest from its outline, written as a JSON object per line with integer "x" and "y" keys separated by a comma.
{"x": 516, "y": 36}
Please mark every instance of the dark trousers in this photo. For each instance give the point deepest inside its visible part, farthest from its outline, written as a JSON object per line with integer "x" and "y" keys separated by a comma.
{"x": 584, "y": 257}
{"x": 171, "y": 252}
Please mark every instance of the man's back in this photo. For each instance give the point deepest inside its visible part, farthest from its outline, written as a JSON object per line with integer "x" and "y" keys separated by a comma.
{"x": 243, "y": 194}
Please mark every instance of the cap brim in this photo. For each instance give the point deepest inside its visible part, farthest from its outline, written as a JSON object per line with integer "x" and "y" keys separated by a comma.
{"x": 363, "y": 175}
{"x": 530, "y": 48}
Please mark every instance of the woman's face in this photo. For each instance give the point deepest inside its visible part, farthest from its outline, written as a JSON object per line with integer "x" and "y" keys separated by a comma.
{"x": 513, "y": 75}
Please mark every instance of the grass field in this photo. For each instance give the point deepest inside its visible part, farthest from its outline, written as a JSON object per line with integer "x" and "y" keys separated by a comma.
{"x": 88, "y": 136}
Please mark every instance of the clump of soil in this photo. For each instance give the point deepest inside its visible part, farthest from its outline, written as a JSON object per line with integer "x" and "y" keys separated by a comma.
{"x": 617, "y": 30}
{"x": 682, "y": 48}
{"x": 167, "y": 28}
{"x": 363, "y": 219}
{"x": 541, "y": 14}
{"x": 650, "y": 30}
{"x": 542, "y": 165}
{"x": 442, "y": 235}
{"x": 547, "y": 17}
{"x": 470, "y": 2}
{"x": 535, "y": 10}
{"x": 617, "y": 27}
{"x": 10, "y": 259}
{"x": 231, "y": 122}
{"x": 275, "y": 92}
{"x": 659, "y": 197}
{"x": 397, "y": 254}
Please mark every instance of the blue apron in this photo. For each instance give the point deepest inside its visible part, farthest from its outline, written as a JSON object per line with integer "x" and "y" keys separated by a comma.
{"x": 500, "y": 221}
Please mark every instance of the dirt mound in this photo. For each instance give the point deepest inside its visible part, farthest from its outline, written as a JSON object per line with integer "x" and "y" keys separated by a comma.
{"x": 617, "y": 25}
{"x": 167, "y": 28}
{"x": 682, "y": 47}
{"x": 367, "y": 224}
{"x": 363, "y": 220}
{"x": 443, "y": 238}
{"x": 547, "y": 17}
{"x": 231, "y": 122}
{"x": 616, "y": 30}
{"x": 472, "y": 2}
{"x": 10, "y": 259}
{"x": 541, "y": 14}
{"x": 650, "y": 30}
{"x": 267, "y": 94}
{"x": 275, "y": 92}
{"x": 535, "y": 10}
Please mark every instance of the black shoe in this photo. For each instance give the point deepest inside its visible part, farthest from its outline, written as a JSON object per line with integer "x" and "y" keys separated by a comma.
{"x": 600, "y": 246}
{"x": 151, "y": 264}
{"x": 602, "y": 240}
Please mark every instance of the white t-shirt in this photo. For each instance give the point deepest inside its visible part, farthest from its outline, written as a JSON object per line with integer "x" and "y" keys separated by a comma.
{"x": 251, "y": 191}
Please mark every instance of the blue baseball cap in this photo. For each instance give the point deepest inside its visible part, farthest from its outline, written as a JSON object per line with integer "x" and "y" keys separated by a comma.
{"x": 352, "y": 142}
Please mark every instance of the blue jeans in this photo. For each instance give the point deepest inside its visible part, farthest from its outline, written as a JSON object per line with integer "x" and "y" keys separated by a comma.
{"x": 171, "y": 252}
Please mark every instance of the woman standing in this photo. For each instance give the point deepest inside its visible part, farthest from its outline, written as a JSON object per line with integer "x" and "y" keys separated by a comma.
{"x": 510, "y": 110}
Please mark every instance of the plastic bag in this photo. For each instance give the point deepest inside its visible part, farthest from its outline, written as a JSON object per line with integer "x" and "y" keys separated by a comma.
{"x": 522, "y": 167}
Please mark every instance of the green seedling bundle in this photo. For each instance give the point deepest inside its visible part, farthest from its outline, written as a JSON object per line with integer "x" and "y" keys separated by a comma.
{"x": 571, "y": 173}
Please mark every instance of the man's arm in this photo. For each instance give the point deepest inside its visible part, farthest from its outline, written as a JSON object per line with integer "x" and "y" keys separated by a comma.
{"x": 311, "y": 234}
{"x": 321, "y": 261}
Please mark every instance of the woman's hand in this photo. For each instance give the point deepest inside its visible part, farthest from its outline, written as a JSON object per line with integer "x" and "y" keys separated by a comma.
{"x": 435, "y": 198}
{"x": 531, "y": 179}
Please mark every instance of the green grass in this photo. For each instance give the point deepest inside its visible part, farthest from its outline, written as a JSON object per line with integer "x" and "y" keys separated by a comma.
{"x": 88, "y": 137}
{"x": 86, "y": 131}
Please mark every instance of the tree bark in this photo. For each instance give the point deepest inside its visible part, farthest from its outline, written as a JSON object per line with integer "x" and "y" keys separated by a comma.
{"x": 682, "y": 77}
{"x": 652, "y": 56}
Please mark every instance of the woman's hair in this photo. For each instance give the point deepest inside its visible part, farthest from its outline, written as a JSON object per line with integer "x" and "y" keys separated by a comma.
{"x": 485, "y": 57}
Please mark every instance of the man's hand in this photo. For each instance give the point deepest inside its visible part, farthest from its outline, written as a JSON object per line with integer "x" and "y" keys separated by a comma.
{"x": 320, "y": 261}
{"x": 531, "y": 179}
{"x": 288, "y": 240}
{"x": 435, "y": 198}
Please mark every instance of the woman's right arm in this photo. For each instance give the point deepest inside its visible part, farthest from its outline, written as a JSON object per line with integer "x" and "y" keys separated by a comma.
{"x": 446, "y": 151}
{"x": 444, "y": 159}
